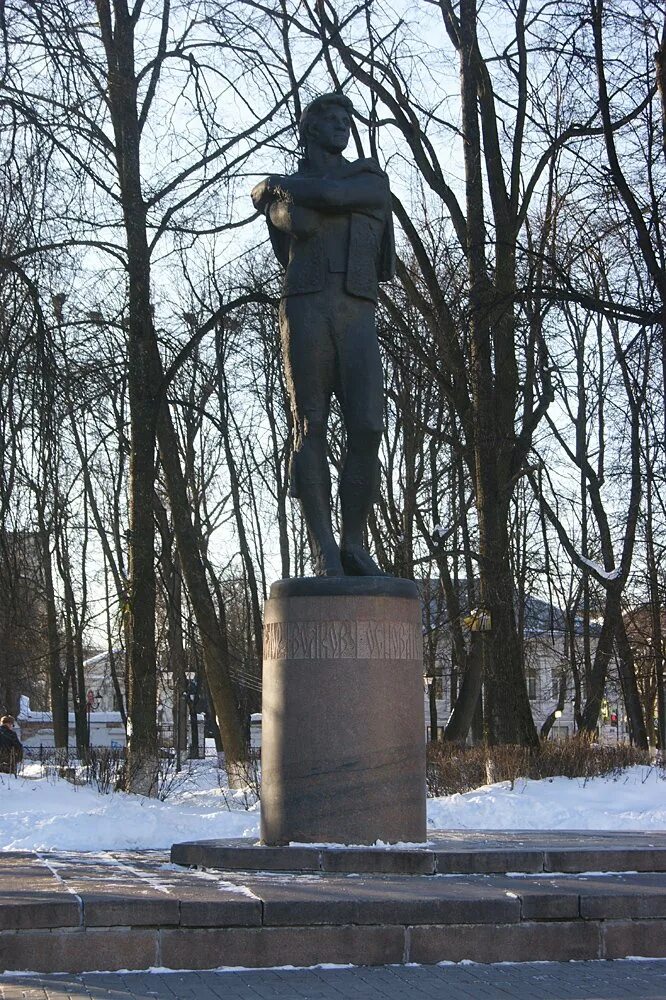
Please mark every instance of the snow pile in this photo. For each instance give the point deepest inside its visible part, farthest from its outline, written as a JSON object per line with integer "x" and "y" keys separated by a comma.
{"x": 634, "y": 800}
{"x": 46, "y": 813}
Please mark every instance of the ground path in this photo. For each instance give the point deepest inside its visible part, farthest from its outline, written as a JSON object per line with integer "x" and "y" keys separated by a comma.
{"x": 618, "y": 980}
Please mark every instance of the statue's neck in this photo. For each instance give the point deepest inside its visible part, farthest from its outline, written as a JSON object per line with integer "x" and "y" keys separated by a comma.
{"x": 320, "y": 161}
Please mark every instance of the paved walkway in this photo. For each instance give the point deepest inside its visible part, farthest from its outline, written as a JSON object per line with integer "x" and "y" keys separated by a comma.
{"x": 619, "y": 980}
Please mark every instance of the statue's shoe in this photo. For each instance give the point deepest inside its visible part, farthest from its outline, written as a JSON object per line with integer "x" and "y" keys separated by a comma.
{"x": 358, "y": 562}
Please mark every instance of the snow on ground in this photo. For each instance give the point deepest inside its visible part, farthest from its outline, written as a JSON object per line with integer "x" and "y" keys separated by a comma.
{"x": 633, "y": 800}
{"x": 47, "y": 813}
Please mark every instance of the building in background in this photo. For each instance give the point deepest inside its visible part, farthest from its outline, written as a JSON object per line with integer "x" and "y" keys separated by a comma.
{"x": 547, "y": 661}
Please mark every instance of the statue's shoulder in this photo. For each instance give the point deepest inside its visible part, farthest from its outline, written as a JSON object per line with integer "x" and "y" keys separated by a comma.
{"x": 364, "y": 165}
{"x": 370, "y": 164}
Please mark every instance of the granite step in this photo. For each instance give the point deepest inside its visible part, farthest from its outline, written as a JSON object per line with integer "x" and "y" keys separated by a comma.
{"x": 73, "y": 912}
{"x": 446, "y": 852}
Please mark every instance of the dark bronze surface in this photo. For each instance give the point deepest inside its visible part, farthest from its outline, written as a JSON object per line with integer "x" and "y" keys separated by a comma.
{"x": 331, "y": 228}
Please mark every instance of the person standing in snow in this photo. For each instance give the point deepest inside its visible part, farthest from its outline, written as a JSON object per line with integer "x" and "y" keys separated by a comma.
{"x": 11, "y": 749}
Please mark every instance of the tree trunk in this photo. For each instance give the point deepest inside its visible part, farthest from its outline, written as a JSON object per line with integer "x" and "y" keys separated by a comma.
{"x": 432, "y": 707}
{"x": 589, "y": 719}
{"x": 246, "y": 556}
{"x": 118, "y": 37}
{"x": 507, "y": 713}
{"x": 462, "y": 714}
{"x": 176, "y": 647}
{"x": 215, "y": 650}
{"x": 632, "y": 700}
{"x": 57, "y": 679}
{"x": 552, "y": 716}
{"x": 656, "y": 631}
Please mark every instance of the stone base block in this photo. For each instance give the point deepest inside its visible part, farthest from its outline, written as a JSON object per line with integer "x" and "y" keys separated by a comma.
{"x": 343, "y": 729}
{"x": 634, "y": 938}
{"x": 520, "y": 942}
{"x": 270, "y": 946}
{"x": 107, "y": 949}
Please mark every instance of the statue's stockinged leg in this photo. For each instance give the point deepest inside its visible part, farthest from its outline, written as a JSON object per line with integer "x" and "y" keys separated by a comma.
{"x": 312, "y": 478}
{"x": 358, "y": 486}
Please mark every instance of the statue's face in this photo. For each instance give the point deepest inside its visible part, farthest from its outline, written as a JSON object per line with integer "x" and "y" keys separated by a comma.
{"x": 330, "y": 128}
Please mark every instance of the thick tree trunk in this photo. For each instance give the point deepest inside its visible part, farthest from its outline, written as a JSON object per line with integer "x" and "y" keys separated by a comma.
{"x": 507, "y": 714}
{"x": 142, "y": 694}
{"x": 462, "y": 714}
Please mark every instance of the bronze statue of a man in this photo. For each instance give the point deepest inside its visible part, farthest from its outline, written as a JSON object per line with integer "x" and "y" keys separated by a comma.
{"x": 331, "y": 227}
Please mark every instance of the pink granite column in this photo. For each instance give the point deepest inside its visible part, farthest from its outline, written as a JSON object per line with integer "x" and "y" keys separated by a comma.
{"x": 343, "y": 729}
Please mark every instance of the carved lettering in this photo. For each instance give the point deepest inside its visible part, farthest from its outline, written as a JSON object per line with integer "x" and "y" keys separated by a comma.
{"x": 275, "y": 641}
{"x": 303, "y": 641}
{"x": 334, "y": 640}
{"x": 337, "y": 640}
{"x": 371, "y": 640}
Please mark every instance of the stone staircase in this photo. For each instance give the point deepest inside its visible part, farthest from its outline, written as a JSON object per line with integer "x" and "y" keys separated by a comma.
{"x": 485, "y": 897}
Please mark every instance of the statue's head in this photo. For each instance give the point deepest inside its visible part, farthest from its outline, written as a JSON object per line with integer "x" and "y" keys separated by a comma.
{"x": 326, "y": 122}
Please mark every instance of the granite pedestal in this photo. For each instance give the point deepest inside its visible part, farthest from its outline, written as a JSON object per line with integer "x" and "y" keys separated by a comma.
{"x": 343, "y": 729}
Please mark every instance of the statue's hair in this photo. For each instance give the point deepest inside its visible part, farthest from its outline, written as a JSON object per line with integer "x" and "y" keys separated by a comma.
{"x": 311, "y": 111}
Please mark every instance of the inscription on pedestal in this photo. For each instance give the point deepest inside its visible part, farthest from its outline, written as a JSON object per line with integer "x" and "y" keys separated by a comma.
{"x": 335, "y": 640}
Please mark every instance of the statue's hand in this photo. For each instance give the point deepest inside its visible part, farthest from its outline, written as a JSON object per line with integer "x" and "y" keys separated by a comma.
{"x": 264, "y": 192}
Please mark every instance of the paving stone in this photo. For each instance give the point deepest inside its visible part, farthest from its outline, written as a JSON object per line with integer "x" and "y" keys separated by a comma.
{"x": 383, "y": 900}
{"x": 605, "y": 860}
{"x": 638, "y": 938}
{"x": 230, "y": 910}
{"x": 524, "y": 942}
{"x": 488, "y": 861}
{"x": 78, "y": 950}
{"x": 269, "y": 946}
{"x": 381, "y": 862}
{"x": 542, "y": 898}
{"x": 132, "y": 909}
{"x": 224, "y": 855}
{"x": 584, "y": 980}
{"x": 31, "y": 909}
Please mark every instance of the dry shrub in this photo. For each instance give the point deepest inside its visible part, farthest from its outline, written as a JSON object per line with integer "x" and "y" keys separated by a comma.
{"x": 249, "y": 773}
{"x": 452, "y": 768}
{"x": 105, "y": 769}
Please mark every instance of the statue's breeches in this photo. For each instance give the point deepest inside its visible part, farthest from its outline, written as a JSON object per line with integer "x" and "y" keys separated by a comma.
{"x": 329, "y": 343}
